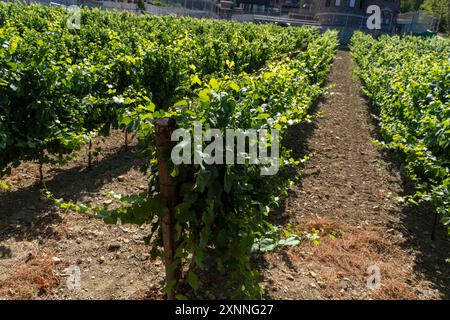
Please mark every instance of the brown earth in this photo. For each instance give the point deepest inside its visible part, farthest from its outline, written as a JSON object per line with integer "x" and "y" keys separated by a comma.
{"x": 348, "y": 188}
{"x": 38, "y": 242}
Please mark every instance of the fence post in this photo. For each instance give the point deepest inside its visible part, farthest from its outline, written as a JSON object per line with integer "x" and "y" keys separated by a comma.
{"x": 168, "y": 188}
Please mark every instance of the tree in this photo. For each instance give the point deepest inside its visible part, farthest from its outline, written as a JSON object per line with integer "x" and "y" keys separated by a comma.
{"x": 410, "y": 5}
{"x": 436, "y": 7}
{"x": 440, "y": 8}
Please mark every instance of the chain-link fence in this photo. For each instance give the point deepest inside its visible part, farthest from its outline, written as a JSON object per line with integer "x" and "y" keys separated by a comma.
{"x": 417, "y": 22}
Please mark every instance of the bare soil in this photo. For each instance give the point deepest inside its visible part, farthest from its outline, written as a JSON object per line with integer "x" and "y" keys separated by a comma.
{"x": 38, "y": 241}
{"x": 348, "y": 188}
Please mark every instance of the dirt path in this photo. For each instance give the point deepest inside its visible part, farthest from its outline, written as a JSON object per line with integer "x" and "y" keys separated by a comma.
{"x": 348, "y": 188}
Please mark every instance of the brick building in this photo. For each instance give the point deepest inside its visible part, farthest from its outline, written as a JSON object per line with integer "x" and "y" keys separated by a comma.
{"x": 349, "y": 12}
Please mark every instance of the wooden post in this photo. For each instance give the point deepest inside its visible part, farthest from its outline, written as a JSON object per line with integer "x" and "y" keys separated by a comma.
{"x": 164, "y": 128}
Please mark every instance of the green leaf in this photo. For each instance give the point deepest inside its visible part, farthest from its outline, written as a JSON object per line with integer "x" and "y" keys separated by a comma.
{"x": 3, "y": 185}
{"x": 234, "y": 86}
{"x": 228, "y": 182}
{"x": 169, "y": 286}
{"x": 214, "y": 84}
{"x": 203, "y": 178}
{"x": 192, "y": 279}
{"x": 203, "y": 95}
{"x": 180, "y": 103}
{"x": 196, "y": 80}
{"x": 291, "y": 241}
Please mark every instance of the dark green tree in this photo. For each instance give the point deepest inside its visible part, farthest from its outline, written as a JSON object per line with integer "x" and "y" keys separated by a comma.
{"x": 410, "y": 5}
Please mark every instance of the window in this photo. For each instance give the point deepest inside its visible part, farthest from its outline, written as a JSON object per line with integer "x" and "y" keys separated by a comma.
{"x": 352, "y": 3}
{"x": 327, "y": 3}
{"x": 338, "y": 3}
{"x": 387, "y": 17}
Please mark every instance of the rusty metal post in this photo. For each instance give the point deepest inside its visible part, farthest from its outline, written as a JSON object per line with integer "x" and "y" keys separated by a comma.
{"x": 164, "y": 128}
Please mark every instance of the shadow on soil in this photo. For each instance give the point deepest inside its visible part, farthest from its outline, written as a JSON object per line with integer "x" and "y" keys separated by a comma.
{"x": 5, "y": 252}
{"x": 25, "y": 215}
{"x": 297, "y": 142}
{"x": 416, "y": 225}
{"x": 416, "y": 222}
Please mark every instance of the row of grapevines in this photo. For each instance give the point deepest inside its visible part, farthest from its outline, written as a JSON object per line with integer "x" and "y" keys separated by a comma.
{"x": 408, "y": 79}
{"x": 59, "y": 87}
{"x": 223, "y": 210}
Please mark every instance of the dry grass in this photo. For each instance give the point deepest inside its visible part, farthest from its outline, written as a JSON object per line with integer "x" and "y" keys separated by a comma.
{"x": 350, "y": 254}
{"x": 30, "y": 279}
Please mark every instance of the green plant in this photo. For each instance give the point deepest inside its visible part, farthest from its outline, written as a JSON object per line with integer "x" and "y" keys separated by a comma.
{"x": 222, "y": 215}
{"x": 141, "y": 5}
{"x": 117, "y": 62}
{"x": 61, "y": 87}
{"x": 407, "y": 79}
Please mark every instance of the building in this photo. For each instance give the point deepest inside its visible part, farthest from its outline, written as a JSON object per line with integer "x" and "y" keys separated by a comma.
{"x": 349, "y": 12}
{"x": 337, "y": 13}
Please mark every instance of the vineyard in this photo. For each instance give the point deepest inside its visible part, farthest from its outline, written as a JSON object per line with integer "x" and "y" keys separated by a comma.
{"x": 88, "y": 78}
{"x": 122, "y": 84}
{"x": 411, "y": 89}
